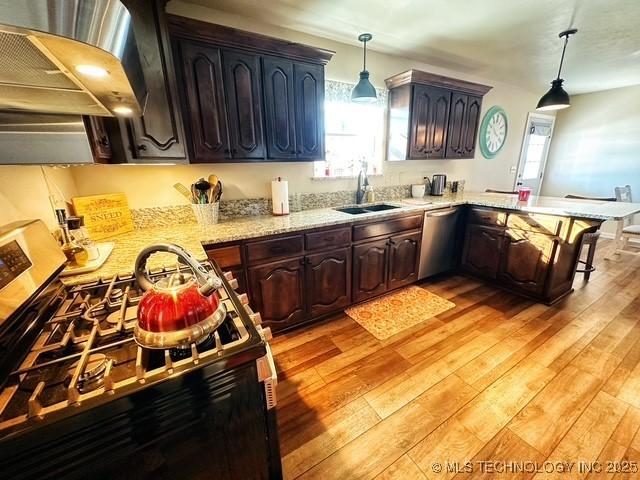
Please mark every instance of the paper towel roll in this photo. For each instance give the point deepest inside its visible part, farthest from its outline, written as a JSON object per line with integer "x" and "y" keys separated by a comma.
{"x": 280, "y": 196}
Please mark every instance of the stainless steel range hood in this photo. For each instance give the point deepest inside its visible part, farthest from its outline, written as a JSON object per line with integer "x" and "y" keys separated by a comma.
{"x": 69, "y": 57}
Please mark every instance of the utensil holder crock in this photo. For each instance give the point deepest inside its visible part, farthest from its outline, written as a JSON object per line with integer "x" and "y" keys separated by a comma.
{"x": 206, "y": 213}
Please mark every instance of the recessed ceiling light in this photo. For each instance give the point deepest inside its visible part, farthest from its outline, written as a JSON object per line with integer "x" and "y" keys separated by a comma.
{"x": 91, "y": 70}
{"x": 122, "y": 110}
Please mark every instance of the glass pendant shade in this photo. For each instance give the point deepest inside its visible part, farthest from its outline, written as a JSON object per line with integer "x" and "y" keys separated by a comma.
{"x": 556, "y": 98}
{"x": 364, "y": 92}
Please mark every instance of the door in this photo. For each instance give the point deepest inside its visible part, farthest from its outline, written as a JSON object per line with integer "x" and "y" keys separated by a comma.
{"x": 526, "y": 259}
{"x": 429, "y": 119}
{"x": 535, "y": 149}
{"x": 482, "y": 250}
{"x": 159, "y": 133}
{"x": 309, "y": 103}
{"x": 277, "y": 292}
{"x": 471, "y": 123}
{"x": 242, "y": 85}
{"x": 279, "y": 108}
{"x": 370, "y": 269}
{"x": 404, "y": 256}
{"x": 456, "y": 130}
{"x": 202, "y": 71}
{"x": 328, "y": 281}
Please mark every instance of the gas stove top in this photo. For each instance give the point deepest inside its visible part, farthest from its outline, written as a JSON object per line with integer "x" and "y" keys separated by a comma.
{"x": 85, "y": 353}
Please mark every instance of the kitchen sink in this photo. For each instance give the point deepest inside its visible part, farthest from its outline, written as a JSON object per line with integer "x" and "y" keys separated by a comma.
{"x": 368, "y": 209}
{"x": 352, "y": 210}
{"x": 380, "y": 208}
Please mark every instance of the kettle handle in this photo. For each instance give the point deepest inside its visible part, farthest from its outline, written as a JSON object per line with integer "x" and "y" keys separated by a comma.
{"x": 207, "y": 281}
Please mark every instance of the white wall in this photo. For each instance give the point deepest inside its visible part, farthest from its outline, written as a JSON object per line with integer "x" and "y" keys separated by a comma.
{"x": 24, "y": 194}
{"x": 596, "y": 146}
{"x": 151, "y": 185}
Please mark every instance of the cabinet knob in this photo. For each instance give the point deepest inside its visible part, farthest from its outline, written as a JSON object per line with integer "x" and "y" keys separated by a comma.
{"x": 391, "y": 242}
{"x": 226, "y": 150}
{"x": 104, "y": 141}
{"x": 142, "y": 146}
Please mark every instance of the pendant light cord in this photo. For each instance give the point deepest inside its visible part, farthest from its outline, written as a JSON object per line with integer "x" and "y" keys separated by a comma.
{"x": 365, "y": 56}
{"x": 566, "y": 40}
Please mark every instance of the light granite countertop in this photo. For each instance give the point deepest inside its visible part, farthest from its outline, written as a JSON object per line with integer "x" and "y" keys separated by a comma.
{"x": 192, "y": 237}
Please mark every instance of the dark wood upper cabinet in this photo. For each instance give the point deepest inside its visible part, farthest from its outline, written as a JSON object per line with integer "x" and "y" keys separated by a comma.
{"x": 431, "y": 116}
{"x": 427, "y": 135}
{"x": 328, "y": 281}
{"x": 205, "y": 109}
{"x": 243, "y": 84}
{"x": 404, "y": 259}
{"x": 98, "y": 139}
{"x": 279, "y": 108}
{"x": 273, "y": 94}
{"x": 309, "y": 99}
{"x": 159, "y": 134}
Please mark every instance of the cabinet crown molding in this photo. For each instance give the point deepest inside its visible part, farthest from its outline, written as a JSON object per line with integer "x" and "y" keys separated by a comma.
{"x": 242, "y": 40}
{"x": 434, "y": 80}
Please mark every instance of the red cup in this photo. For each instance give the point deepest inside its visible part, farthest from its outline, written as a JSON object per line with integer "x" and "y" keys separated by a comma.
{"x": 523, "y": 194}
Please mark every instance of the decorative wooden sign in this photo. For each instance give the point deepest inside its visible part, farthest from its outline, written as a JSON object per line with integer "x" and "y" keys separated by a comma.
{"x": 104, "y": 215}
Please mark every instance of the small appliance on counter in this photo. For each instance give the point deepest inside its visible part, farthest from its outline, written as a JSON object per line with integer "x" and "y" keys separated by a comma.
{"x": 437, "y": 185}
{"x": 280, "y": 196}
{"x": 97, "y": 382}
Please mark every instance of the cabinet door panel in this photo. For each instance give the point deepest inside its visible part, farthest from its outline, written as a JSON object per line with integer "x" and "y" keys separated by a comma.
{"x": 482, "y": 250}
{"x": 526, "y": 259}
{"x": 429, "y": 119}
{"x": 471, "y": 122}
{"x": 277, "y": 292}
{"x": 328, "y": 281}
{"x": 309, "y": 103}
{"x": 159, "y": 132}
{"x": 202, "y": 67}
{"x": 242, "y": 85}
{"x": 456, "y": 130}
{"x": 370, "y": 262}
{"x": 404, "y": 256}
{"x": 279, "y": 105}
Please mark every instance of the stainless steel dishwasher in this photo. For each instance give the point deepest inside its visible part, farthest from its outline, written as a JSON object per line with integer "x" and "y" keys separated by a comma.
{"x": 439, "y": 241}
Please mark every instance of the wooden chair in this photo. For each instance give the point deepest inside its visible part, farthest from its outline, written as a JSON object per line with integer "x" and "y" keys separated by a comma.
{"x": 589, "y": 240}
{"x": 626, "y": 230}
{"x": 489, "y": 190}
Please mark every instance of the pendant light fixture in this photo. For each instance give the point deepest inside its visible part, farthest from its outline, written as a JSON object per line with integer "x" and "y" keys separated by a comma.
{"x": 557, "y": 98}
{"x": 364, "y": 92}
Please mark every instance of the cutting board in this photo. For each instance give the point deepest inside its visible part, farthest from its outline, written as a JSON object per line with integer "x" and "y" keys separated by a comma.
{"x": 104, "y": 215}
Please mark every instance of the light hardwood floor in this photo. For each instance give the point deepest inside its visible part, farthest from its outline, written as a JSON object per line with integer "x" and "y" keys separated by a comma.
{"x": 497, "y": 378}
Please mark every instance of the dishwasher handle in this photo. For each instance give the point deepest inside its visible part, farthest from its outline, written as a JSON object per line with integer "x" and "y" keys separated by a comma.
{"x": 441, "y": 213}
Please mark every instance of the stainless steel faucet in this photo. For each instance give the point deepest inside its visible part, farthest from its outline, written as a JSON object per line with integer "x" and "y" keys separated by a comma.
{"x": 363, "y": 183}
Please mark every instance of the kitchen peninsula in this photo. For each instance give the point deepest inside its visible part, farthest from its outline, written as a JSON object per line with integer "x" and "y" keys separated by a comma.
{"x": 530, "y": 248}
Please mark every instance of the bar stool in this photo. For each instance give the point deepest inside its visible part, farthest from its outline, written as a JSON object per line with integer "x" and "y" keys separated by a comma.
{"x": 590, "y": 240}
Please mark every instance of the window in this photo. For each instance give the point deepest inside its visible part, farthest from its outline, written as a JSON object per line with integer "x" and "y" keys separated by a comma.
{"x": 353, "y": 133}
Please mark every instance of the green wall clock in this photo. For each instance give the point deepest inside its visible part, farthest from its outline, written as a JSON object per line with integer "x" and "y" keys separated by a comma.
{"x": 493, "y": 132}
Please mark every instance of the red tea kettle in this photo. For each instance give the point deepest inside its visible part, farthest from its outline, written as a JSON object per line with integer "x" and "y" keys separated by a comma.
{"x": 180, "y": 309}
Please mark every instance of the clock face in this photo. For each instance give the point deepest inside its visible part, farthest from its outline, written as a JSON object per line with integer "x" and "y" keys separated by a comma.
{"x": 493, "y": 132}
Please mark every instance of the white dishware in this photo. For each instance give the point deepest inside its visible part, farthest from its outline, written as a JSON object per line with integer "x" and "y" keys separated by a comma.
{"x": 417, "y": 190}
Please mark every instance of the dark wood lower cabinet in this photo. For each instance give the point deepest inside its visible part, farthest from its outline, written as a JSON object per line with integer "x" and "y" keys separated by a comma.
{"x": 404, "y": 257}
{"x": 526, "y": 260}
{"x": 328, "y": 281}
{"x": 370, "y": 267}
{"x": 278, "y": 292}
{"x": 482, "y": 250}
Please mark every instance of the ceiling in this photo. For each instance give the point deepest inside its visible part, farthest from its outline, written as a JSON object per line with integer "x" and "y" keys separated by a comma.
{"x": 512, "y": 41}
